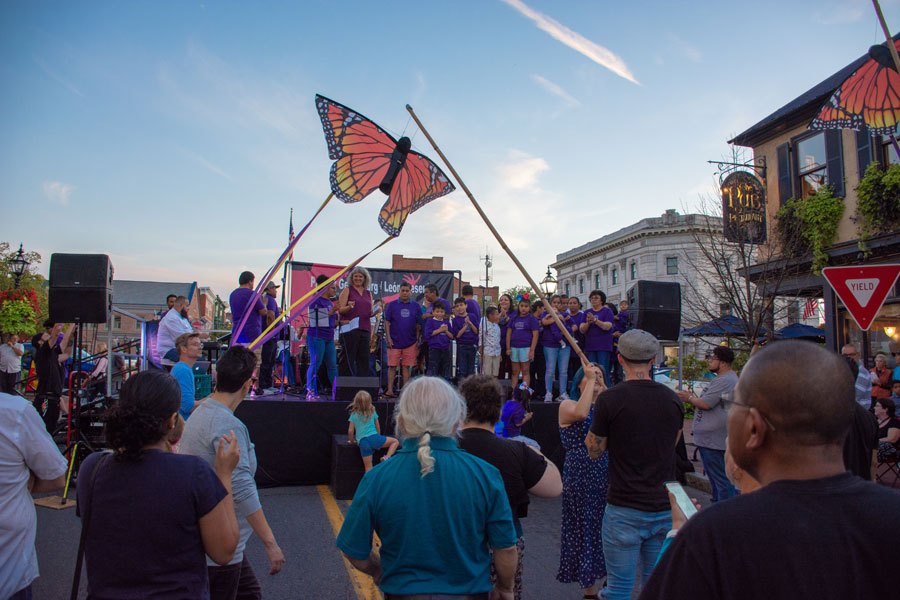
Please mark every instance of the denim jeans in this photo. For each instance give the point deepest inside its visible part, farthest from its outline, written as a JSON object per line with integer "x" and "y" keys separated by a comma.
{"x": 465, "y": 360}
{"x": 714, "y": 467}
{"x": 320, "y": 349}
{"x": 602, "y": 358}
{"x": 439, "y": 362}
{"x": 631, "y": 536}
{"x": 556, "y": 357}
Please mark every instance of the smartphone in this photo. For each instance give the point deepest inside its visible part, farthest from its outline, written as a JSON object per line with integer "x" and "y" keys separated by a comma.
{"x": 681, "y": 498}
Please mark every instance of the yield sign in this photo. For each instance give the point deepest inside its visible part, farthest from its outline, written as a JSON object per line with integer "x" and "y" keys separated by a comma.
{"x": 862, "y": 289}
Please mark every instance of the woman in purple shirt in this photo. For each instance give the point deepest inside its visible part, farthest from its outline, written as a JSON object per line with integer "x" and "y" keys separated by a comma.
{"x": 355, "y": 302}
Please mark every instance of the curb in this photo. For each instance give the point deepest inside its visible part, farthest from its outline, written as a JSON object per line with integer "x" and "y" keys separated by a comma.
{"x": 698, "y": 481}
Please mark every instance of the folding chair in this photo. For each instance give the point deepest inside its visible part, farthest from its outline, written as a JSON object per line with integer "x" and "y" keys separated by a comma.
{"x": 885, "y": 470}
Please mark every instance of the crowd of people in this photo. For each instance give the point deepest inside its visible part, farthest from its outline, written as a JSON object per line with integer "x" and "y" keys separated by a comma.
{"x": 790, "y": 455}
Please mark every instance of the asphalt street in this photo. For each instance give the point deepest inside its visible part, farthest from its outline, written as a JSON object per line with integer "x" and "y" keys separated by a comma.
{"x": 306, "y": 532}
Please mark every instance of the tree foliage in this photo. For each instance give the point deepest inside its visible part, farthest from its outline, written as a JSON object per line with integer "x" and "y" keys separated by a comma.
{"x": 32, "y": 287}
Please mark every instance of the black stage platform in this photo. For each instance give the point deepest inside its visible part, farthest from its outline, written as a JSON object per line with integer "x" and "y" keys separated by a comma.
{"x": 292, "y": 436}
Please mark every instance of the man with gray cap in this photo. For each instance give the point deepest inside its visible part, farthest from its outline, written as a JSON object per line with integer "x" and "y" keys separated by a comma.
{"x": 711, "y": 411}
{"x": 639, "y": 421}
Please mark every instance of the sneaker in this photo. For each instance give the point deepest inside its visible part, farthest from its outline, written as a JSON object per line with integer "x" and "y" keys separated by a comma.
{"x": 271, "y": 390}
{"x": 548, "y": 397}
{"x": 312, "y": 396}
{"x": 563, "y": 396}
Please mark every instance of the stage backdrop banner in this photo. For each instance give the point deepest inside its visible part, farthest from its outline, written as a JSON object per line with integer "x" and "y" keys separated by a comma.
{"x": 385, "y": 283}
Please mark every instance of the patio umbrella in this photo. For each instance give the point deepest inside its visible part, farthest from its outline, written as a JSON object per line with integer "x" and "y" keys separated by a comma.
{"x": 800, "y": 331}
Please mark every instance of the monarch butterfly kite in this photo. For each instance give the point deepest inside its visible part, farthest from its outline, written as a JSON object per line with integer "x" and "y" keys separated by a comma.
{"x": 368, "y": 158}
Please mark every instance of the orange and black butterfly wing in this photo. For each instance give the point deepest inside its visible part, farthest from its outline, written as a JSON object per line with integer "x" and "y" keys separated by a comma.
{"x": 419, "y": 182}
{"x": 881, "y": 111}
{"x": 361, "y": 150}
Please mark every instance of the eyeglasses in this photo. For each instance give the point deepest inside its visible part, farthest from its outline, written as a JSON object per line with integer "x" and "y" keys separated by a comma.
{"x": 748, "y": 407}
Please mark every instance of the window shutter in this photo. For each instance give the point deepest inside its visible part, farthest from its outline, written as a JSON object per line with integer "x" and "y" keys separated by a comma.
{"x": 863, "y": 150}
{"x": 834, "y": 160}
{"x": 785, "y": 187}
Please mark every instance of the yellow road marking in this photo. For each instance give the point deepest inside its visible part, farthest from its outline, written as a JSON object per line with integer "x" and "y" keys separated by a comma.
{"x": 363, "y": 585}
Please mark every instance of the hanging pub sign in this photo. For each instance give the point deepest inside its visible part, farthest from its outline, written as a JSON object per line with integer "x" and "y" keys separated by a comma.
{"x": 744, "y": 208}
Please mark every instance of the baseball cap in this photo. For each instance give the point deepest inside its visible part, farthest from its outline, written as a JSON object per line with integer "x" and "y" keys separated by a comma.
{"x": 636, "y": 345}
{"x": 271, "y": 285}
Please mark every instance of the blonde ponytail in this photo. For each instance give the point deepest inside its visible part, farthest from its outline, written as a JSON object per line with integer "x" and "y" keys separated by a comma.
{"x": 424, "y": 454}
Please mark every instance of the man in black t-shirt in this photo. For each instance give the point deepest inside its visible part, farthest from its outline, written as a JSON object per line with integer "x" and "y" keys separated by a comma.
{"x": 813, "y": 531}
{"x": 639, "y": 421}
{"x": 523, "y": 468}
{"x": 48, "y": 357}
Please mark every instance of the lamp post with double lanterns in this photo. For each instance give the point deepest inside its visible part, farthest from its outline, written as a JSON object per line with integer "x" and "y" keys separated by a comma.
{"x": 19, "y": 264}
{"x": 549, "y": 283}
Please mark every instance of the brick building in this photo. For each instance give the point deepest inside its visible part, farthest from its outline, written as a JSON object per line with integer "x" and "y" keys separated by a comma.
{"x": 436, "y": 263}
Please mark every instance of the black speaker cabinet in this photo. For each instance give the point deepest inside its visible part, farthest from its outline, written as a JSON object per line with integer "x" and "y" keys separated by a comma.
{"x": 347, "y": 467}
{"x": 346, "y": 387}
{"x": 80, "y": 288}
{"x": 655, "y": 307}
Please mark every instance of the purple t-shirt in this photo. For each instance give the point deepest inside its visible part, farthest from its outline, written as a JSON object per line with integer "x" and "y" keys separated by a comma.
{"x": 596, "y": 339}
{"x": 362, "y": 308}
{"x": 575, "y": 321}
{"x": 322, "y": 333}
{"x": 403, "y": 317}
{"x": 441, "y": 340}
{"x": 271, "y": 304}
{"x": 521, "y": 330}
{"x": 155, "y": 549}
{"x": 504, "y": 323}
{"x": 551, "y": 336}
{"x": 621, "y": 324}
{"x": 473, "y": 308}
{"x": 457, "y": 323}
{"x": 238, "y": 302}
{"x": 447, "y": 307}
{"x": 513, "y": 412}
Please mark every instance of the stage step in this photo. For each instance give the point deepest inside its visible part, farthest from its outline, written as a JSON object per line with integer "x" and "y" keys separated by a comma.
{"x": 347, "y": 467}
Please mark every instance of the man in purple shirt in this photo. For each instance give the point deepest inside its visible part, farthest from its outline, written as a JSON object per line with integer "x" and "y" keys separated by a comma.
{"x": 402, "y": 325}
{"x": 271, "y": 346}
{"x": 240, "y": 302}
{"x": 597, "y": 330}
{"x": 431, "y": 296}
{"x": 472, "y": 306}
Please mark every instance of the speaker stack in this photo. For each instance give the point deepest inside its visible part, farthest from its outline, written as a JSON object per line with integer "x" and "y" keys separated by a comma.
{"x": 80, "y": 288}
{"x": 655, "y": 307}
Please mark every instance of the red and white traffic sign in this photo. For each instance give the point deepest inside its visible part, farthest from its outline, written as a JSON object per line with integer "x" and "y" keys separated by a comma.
{"x": 862, "y": 289}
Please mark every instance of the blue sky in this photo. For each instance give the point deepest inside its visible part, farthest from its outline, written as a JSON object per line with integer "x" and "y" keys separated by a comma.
{"x": 177, "y": 136}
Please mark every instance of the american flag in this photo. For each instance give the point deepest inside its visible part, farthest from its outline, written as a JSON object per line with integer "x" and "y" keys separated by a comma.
{"x": 811, "y": 308}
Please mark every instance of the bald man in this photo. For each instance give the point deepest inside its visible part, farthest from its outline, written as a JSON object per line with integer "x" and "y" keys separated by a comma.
{"x": 863, "y": 379}
{"x": 813, "y": 531}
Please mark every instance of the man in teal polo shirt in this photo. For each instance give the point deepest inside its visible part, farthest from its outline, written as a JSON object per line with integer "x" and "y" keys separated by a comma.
{"x": 439, "y": 511}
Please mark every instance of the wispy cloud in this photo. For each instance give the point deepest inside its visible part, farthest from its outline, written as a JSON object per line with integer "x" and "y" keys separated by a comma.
{"x": 210, "y": 166}
{"x": 556, "y": 90}
{"x": 685, "y": 48}
{"x": 521, "y": 171}
{"x": 58, "y": 191}
{"x": 56, "y": 76}
{"x": 597, "y": 53}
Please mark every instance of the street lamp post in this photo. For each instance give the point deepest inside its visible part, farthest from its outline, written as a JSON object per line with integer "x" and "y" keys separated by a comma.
{"x": 549, "y": 283}
{"x": 19, "y": 265}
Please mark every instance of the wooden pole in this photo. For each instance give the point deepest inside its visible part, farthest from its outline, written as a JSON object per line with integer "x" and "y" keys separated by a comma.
{"x": 503, "y": 245}
{"x": 887, "y": 34}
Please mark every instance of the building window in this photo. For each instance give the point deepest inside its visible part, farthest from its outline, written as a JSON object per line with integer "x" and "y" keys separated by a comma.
{"x": 117, "y": 322}
{"x": 567, "y": 288}
{"x": 672, "y": 265}
{"x": 581, "y": 286}
{"x": 633, "y": 271}
{"x": 811, "y": 162}
{"x": 597, "y": 281}
{"x": 488, "y": 298}
{"x": 724, "y": 309}
{"x": 615, "y": 276}
{"x": 888, "y": 151}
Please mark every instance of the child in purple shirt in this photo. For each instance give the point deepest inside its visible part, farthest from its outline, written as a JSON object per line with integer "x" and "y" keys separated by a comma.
{"x": 438, "y": 336}
{"x": 521, "y": 340}
{"x": 597, "y": 330}
{"x": 466, "y": 334}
